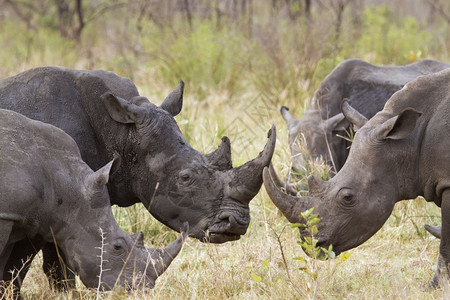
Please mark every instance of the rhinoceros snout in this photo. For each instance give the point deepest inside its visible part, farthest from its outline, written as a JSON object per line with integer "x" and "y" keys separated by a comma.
{"x": 229, "y": 227}
{"x": 235, "y": 224}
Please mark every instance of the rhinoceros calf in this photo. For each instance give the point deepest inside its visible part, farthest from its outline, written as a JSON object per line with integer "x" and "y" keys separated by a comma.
{"x": 104, "y": 113}
{"x": 48, "y": 194}
{"x": 368, "y": 87}
{"x": 401, "y": 153}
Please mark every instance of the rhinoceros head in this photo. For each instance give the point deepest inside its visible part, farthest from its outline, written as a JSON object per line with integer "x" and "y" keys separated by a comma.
{"x": 101, "y": 253}
{"x": 355, "y": 203}
{"x": 310, "y": 137}
{"x": 178, "y": 184}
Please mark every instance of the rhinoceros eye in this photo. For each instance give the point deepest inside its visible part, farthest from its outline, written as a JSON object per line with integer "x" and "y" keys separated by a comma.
{"x": 186, "y": 176}
{"x": 119, "y": 246}
{"x": 347, "y": 196}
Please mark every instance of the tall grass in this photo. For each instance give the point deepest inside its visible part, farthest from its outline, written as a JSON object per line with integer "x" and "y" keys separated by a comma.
{"x": 231, "y": 77}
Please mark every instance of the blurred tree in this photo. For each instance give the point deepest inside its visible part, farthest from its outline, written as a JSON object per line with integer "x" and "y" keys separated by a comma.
{"x": 295, "y": 8}
{"x": 71, "y": 21}
{"x": 188, "y": 12}
{"x": 66, "y": 16}
{"x": 338, "y": 7}
{"x": 437, "y": 6}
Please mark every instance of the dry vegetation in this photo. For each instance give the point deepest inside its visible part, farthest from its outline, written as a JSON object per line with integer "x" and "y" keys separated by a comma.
{"x": 241, "y": 60}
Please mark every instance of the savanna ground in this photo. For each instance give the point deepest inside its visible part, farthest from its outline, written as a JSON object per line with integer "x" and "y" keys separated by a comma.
{"x": 240, "y": 61}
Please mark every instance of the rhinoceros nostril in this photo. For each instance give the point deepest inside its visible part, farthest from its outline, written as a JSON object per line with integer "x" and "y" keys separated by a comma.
{"x": 224, "y": 216}
{"x": 236, "y": 226}
{"x": 232, "y": 221}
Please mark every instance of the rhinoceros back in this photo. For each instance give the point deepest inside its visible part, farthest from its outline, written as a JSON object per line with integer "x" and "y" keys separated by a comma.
{"x": 367, "y": 86}
{"x": 57, "y": 96}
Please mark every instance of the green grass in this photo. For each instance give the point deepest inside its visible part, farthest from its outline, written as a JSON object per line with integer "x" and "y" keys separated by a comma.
{"x": 236, "y": 83}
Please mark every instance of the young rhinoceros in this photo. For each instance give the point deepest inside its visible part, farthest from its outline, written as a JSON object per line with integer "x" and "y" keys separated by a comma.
{"x": 48, "y": 194}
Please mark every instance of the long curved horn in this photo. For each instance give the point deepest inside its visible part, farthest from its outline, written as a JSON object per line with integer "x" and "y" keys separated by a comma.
{"x": 290, "y": 206}
{"x": 280, "y": 184}
{"x": 290, "y": 120}
{"x": 162, "y": 258}
{"x": 246, "y": 180}
{"x": 434, "y": 230}
{"x": 352, "y": 114}
{"x": 221, "y": 157}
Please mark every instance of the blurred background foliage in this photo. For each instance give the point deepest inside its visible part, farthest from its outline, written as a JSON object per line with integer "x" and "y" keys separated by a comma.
{"x": 280, "y": 47}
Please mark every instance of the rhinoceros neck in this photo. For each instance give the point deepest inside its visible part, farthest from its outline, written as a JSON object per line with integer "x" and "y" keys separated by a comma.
{"x": 110, "y": 136}
{"x": 113, "y": 137}
{"x": 121, "y": 185}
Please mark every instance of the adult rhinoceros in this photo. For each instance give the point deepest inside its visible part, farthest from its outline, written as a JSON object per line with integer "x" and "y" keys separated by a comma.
{"x": 49, "y": 194}
{"x": 104, "y": 113}
{"x": 368, "y": 87}
{"x": 401, "y": 153}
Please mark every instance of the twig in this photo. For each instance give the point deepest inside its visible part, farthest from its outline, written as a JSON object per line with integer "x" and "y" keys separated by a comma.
{"x": 283, "y": 257}
{"x": 4, "y": 288}
{"x": 102, "y": 247}
{"x": 61, "y": 260}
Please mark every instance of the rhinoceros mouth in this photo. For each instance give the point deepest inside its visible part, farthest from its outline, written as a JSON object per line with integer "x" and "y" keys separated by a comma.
{"x": 220, "y": 237}
{"x": 227, "y": 228}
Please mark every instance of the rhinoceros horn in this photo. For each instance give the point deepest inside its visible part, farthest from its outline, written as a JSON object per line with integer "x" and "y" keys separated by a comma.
{"x": 290, "y": 206}
{"x": 246, "y": 180}
{"x": 354, "y": 116}
{"x": 290, "y": 120}
{"x": 434, "y": 230}
{"x": 221, "y": 157}
{"x": 337, "y": 122}
{"x": 290, "y": 189}
{"x": 162, "y": 258}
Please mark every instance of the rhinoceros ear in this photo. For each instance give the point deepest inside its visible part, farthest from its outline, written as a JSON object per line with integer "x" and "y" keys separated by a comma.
{"x": 121, "y": 110}
{"x": 138, "y": 238}
{"x": 174, "y": 102}
{"x": 400, "y": 126}
{"x": 101, "y": 176}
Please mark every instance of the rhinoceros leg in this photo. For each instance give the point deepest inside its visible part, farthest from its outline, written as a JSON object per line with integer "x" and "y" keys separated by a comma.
{"x": 441, "y": 275}
{"x": 436, "y": 280}
{"x": 19, "y": 261}
{"x": 59, "y": 275}
{"x": 5, "y": 250}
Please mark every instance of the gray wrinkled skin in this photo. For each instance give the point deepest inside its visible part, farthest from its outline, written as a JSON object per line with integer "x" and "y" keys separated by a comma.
{"x": 401, "y": 153}
{"x": 104, "y": 113}
{"x": 48, "y": 194}
{"x": 368, "y": 87}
